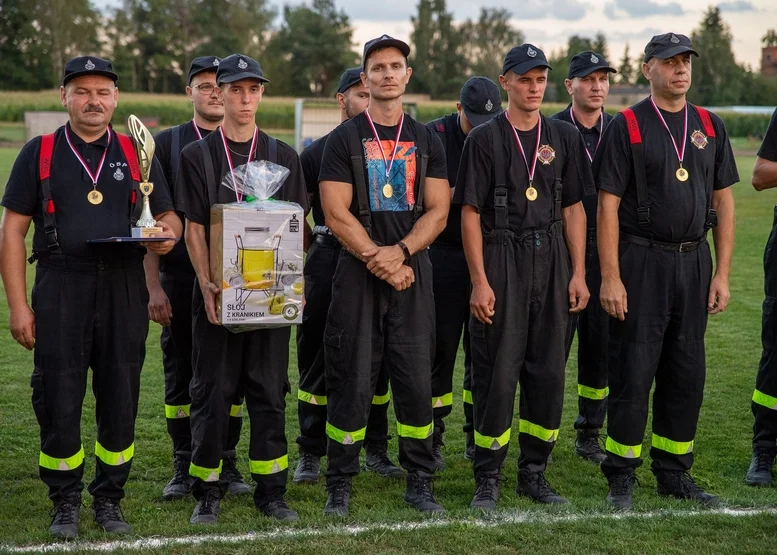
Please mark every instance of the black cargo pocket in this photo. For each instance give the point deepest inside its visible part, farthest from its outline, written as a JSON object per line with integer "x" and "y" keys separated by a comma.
{"x": 478, "y": 344}
{"x": 335, "y": 349}
{"x": 39, "y": 400}
{"x": 768, "y": 325}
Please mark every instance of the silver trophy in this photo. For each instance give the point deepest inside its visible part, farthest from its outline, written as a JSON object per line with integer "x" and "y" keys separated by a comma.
{"x": 144, "y": 148}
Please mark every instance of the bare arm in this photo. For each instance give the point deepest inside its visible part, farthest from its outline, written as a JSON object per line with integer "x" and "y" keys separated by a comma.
{"x": 575, "y": 235}
{"x": 13, "y": 259}
{"x": 199, "y": 254}
{"x": 723, "y": 234}
{"x": 159, "y": 309}
{"x": 764, "y": 177}
{"x": 613, "y": 293}
{"x": 482, "y": 299}
{"x": 336, "y": 198}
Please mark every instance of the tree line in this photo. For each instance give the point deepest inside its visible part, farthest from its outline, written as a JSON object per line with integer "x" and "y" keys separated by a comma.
{"x": 304, "y": 48}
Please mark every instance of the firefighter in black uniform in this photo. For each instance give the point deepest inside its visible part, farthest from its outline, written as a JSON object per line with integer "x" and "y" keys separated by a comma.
{"x": 89, "y": 300}
{"x": 521, "y": 181}
{"x": 385, "y": 197}
{"x": 353, "y": 97}
{"x": 222, "y": 361}
{"x": 588, "y": 83}
{"x": 663, "y": 170}
{"x": 765, "y": 394}
{"x": 171, "y": 293}
{"x": 479, "y": 101}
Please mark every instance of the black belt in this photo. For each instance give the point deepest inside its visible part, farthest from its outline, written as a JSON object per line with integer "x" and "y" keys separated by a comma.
{"x": 685, "y": 246}
{"x": 328, "y": 241}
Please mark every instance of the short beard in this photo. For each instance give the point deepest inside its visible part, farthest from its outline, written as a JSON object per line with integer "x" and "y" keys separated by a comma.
{"x": 209, "y": 117}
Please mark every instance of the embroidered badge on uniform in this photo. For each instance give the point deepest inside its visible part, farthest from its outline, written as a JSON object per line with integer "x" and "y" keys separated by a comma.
{"x": 531, "y": 52}
{"x": 489, "y": 105}
{"x": 89, "y": 65}
{"x": 546, "y": 154}
{"x": 594, "y": 59}
{"x": 118, "y": 175}
{"x": 242, "y": 64}
{"x": 699, "y": 140}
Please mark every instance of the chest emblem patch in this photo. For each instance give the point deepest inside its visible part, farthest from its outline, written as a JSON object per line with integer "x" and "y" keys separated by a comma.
{"x": 118, "y": 175}
{"x": 546, "y": 154}
{"x": 699, "y": 140}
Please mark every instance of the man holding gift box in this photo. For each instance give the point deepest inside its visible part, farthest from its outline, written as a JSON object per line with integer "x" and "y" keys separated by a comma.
{"x": 221, "y": 359}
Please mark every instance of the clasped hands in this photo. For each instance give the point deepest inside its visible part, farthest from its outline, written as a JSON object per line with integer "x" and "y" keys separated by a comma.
{"x": 388, "y": 264}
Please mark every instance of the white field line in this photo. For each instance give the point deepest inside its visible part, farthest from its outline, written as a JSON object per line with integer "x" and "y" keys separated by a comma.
{"x": 496, "y": 520}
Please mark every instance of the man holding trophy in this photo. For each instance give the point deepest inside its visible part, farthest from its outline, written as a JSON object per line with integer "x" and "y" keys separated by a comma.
{"x": 83, "y": 187}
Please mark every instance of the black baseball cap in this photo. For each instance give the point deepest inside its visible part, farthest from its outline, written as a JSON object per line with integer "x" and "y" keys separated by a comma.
{"x": 480, "y": 99}
{"x": 585, "y": 63}
{"x": 236, "y": 67}
{"x": 349, "y": 78}
{"x": 668, "y": 45}
{"x": 384, "y": 41}
{"x": 523, "y": 58}
{"x": 88, "y": 65}
{"x": 203, "y": 64}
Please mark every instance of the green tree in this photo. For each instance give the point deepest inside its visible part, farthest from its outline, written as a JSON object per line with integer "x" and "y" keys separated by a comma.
{"x": 717, "y": 79}
{"x": 436, "y": 43}
{"x": 640, "y": 79}
{"x": 488, "y": 40}
{"x": 24, "y": 60}
{"x": 769, "y": 39}
{"x": 625, "y": 69}
{"x": 600, "y": 45}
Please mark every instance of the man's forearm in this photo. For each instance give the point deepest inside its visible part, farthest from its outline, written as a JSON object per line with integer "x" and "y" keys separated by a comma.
{"x": 575, "y": 235}
{"x": 472, "y": 238}
{"x": 151, "y": 268}
{"x": 198, "y": 250}
{"x": 764, "y": 174}
{"x": 723, "y": 233}
{"x": 349, "y": 232}
{"x": 607, "y": 238}
{"x": 426, "y": 229}
{"x": 13, "y": 269}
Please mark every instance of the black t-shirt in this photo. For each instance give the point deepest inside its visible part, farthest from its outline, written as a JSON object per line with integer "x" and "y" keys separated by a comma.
{"x": 177, "y": 260}
{"x": 197, "y": 196}
{"x": 678, "y": 209}
{"x": 392, "y": 217}
{"x": 476, "y": 180}
{"x": 768, "y": 150}
{"x": 591, "y": 139}
{"x": 76, "y": 219}
{"x": 452, "y": 137}
{"x": 310, "y": 158}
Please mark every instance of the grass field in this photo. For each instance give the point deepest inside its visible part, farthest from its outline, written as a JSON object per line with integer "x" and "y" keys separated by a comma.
{"x": 387, "y": 525}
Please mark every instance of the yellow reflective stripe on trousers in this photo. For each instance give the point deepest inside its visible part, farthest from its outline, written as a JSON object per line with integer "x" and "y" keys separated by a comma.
{"x": 269, "y": 467}
{"x": 670, "y": 446}
{"x": 381, "y": 399}
{"x": 466, "y": 396}
{"x": 311, "y": 399}
{"x": 236, "y": 410}
{"x": 177, "y": 411}
{"x": 592, "y": 392}
{"x": 625, "y": 451}
{"x": 526, "y": 427}
{"x": 55, "y": 463}
{"x": 205, "y": 474}
{"x": 765, "y": 400}
{"x": 442, "y": 401}
{"x": 415, "y": 432}
{"x": 114, "y": 458}
{"x": 346, "y": 438}
{"x": 493, "y": 443}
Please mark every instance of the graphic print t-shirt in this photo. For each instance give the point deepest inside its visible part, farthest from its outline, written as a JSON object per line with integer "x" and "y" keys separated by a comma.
{"x": 391, "y": 207}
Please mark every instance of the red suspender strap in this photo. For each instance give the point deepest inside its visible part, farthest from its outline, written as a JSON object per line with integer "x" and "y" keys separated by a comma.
{"x": 129, "y": 154}
{"x": 709, "y": 129}
{"x": 46, "y": 152}
{"x": 706, "y": 121}
{"x": 635, "y": 137}
{"x": 640, "y": 177}
{"x": 47, "y": 202}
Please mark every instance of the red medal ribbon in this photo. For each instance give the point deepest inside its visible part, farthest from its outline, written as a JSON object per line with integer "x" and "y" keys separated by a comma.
{"x": 197, "y": 130}
{"x": 531, "y": 170}
{"x": 680, "y": 153}
{"x": 96, "y": 176}
{"x": 386, "y": 164}
{"x": 601, "y": 130}
{"x": 251, "y": 152}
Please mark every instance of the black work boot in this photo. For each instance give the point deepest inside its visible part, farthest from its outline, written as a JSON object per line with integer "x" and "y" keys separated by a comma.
{"x": 486, "y": 491}
{"x": 108, "y": 516}
{"x": 437, "y": 445}
{"x": 279, "y": 510}
{"x": 377, "y": 460}
{"x": 760, "y": 471}
{"x": 231, "y": 475}
{"x": 419, "y": 494}
{"x": 207, "y": 509}
{"x": 181, "y": 483}
{"x": 469, "y": 446}
{"x": 534, "y": 485}
{"x": 308, "y": 468}
{"x": 680, "y": 485}
{"x": 621, "y": 489}
{"x": 64, "y": 517}
{"x": 587, "y": 446}
{"x": 338, "y": 500}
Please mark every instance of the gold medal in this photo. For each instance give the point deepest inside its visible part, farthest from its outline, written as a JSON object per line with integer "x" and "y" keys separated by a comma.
{"x": 95, "y": 197}
{"x": 681, "y": 174}
{"x": 531, "y": 193}
{"x": 388, "y": 190}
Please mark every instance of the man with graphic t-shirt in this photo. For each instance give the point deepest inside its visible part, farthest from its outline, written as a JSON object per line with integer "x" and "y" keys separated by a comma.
{"x": 521, "y": 182}
{"x": 222, "y": 361}
{"x": 588, "y": 84}
{"x": 664, "y": 171}
{"x": 385, "y": 197}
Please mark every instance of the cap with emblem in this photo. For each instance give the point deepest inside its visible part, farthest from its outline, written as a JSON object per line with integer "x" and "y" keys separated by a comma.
{"x": 585, "y": 63}
{"x": 668, "y": 45}
{"x": 480, "y": 99}
{"x": 384, "y": 41}
{"x": 349, "y": 78}
{"x": 523, "y": 58}
{"x": 236, "y": 67}
{"x": 203, "y": 64}
{"x": 88, "y": 65}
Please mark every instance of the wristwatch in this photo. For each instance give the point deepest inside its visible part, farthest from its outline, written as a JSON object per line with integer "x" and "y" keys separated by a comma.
{"x": 405, "y": 250}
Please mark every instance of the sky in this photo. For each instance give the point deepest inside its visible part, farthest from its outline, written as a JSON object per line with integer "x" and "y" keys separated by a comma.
{"x": 548, "y": 23}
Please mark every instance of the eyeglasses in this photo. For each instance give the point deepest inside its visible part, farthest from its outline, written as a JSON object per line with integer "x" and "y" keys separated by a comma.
{"x": 205, "y": 89}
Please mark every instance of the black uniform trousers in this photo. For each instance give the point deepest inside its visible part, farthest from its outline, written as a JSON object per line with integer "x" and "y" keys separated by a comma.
{"x": 529, "y": 275}
{"x": 90, "y": 313}
{"x": 451, "y": 307}
{"x": 223, "y": 361}
{"x": 764, "y": 402}
{"x": 592, "y": 326}
{"x": 661, "y": 339}
{"x": 176, "y": 343}
{"x": 320, "y": 266}
{"x": 372, "y": 326}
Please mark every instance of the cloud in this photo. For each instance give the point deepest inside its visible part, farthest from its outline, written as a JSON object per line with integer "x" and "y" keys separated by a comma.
{"x": 624, "y": 9}
{"x": 736, "y": 6}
